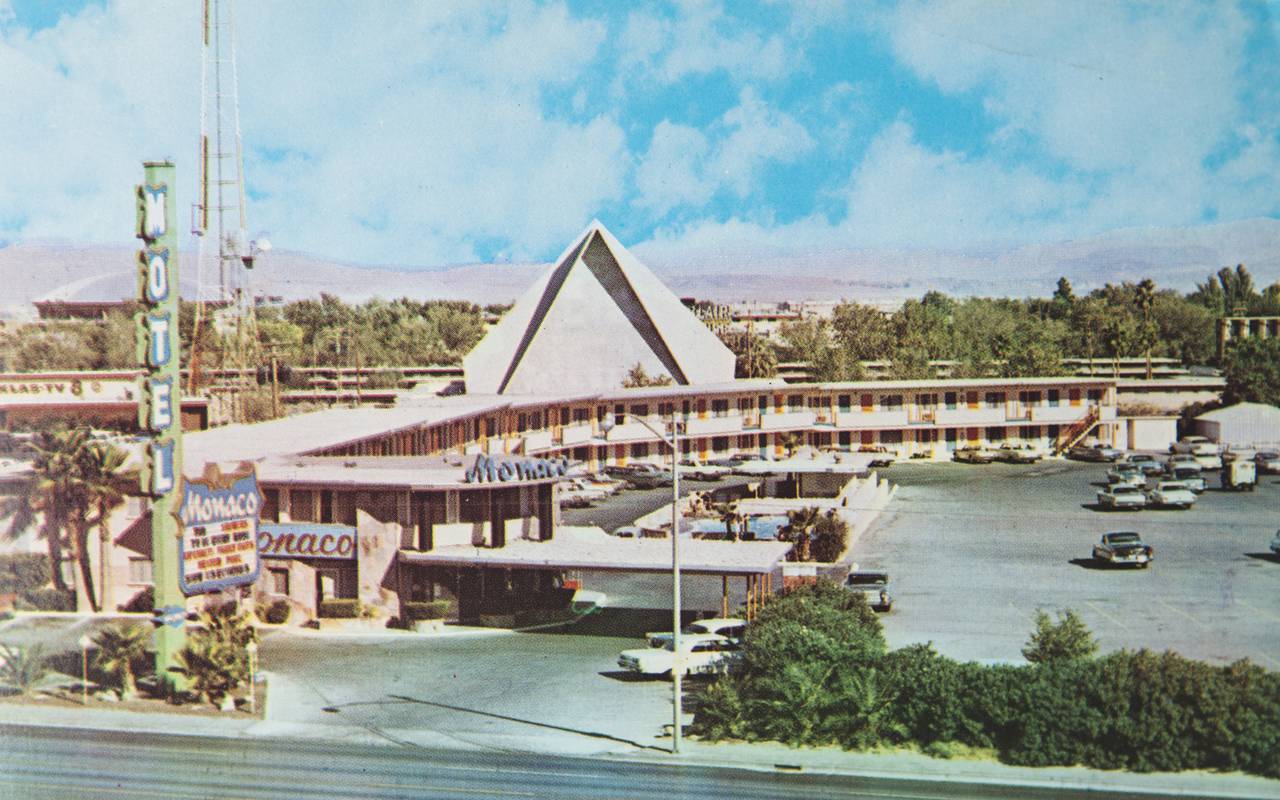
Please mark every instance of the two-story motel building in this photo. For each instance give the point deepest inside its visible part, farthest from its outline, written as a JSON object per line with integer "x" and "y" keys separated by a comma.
{"x": 377, "y": 504}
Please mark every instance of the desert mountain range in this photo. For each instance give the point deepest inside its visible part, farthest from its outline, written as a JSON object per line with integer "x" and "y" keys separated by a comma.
{"x": 1174, "y": 258}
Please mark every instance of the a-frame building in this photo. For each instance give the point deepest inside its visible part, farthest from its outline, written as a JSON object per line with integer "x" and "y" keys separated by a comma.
{"x": 584, "y": 324}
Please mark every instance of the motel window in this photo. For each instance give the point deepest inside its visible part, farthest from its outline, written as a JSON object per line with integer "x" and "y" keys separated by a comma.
{"x": 1054, "y": 431}
{"x": 1095, "y": 395}
{"x": 490, "y": 426}
{"x": 891, "y": 402}
{"x": 719, "y": 444}
{"x": 927, "y": 400}
{"x": 868, "y": 403}
{"x": 522, "y": 423}
{"x": 535, "y": 420}
{"x": 619, "y": 414}
{"x": 1029, "y": 398}
{"x": 666, "y": 410}
{"x": 302, "y": 505}
{"x": 564, "y": 416}
{"x": 640, "y": 450}
{"x": 844, "y": 402}
{"x": 326, "y": 505}
{"x": 890, "y": 437}
{"x": 951, "y": 436}
{"x": 580, "y": 415}
{"x": 995, "y": 434}
{"x": 995, "y": 399}
{"x": 581, "y": 453}
{"x": 640, "y": 410}
{"x": 744, "y": 406}
{"x": 720, "y": 408}
{"x": 762, "y": 403}
{"x": 278, "y": 581}
{"x": 684, "y": 408}
{"x": 270, "y": 505}
{"x": 950, "y": 400}
{"x": 795, "y": 402}
{"x": 1054, "y": 398}
{"x": 140, "y": 570}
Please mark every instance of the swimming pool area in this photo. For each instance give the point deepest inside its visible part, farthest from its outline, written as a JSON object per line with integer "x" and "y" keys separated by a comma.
{"x": 760, "y": 527}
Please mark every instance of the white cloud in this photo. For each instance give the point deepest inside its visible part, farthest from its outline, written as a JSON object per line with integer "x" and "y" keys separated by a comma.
{"x": 685, "y": 167}
{"x": 699, "y": 40}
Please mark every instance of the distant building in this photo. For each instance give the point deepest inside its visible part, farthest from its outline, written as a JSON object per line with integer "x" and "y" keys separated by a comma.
{"x": 1230, "y": 328}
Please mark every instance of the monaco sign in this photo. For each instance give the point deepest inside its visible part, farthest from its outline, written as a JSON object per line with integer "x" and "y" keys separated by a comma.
{"x": 306, "y": 540}
{"x": 219, "y": 518}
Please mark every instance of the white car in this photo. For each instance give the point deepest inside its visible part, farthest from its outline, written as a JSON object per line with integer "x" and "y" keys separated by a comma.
{"x": 703, "y": 472}
{"x": 1171, "y": 494}
{"x": 1275, "y": 543}
{"x": 1195, "y": 445}
{"x": 1126, "y": 475}
{"x": 1190, "y": 477}
{"x": 1268, "y": 461}
{"x": 730, "y": 628}
{"x": 1181, "y": 460}
{"x": 700, "y": 654}
{"x": 1122, "y": 495}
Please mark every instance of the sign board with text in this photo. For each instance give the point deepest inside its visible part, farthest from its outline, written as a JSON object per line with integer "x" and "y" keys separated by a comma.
{"x": 306, "y": 540}
{"x": 218, "y": 548}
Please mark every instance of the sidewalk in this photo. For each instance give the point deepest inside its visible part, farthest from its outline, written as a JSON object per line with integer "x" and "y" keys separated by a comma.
{"x": 905, "y": 766}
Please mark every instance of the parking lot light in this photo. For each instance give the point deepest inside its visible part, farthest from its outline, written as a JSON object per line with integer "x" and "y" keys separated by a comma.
{"x": 84, "y": 643}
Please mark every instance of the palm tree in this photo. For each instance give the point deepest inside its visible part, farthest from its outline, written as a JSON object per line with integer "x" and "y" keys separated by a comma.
{"x": 798, "y": 530}
{"x": 100, "y": 466}
{"x": 1145, "y": 300}
{"x": 119, "y": 647}
{"x": 73, "y": 476}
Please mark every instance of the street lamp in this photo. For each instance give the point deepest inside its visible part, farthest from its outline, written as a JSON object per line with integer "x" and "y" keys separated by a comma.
{"x": 676, "y": 666}
{"x": 84, "y": 643}
{"x": 252, "y": 649}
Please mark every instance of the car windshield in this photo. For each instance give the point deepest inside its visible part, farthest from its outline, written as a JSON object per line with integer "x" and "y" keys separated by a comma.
{"x": 1167, "y": 487}
{"x": 1123, "y": 538}
{"x": 1125, "y": 490}
{"x": 868, "y": 578}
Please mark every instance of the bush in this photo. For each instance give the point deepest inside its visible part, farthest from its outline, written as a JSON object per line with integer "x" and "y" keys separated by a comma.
{"x": 144, "y": 602}
{"x": 333, "y": 608}
{"x": 414, "y": 610}
{"x": 1068, "y": 638}
{"x": 47, "y": 599}
{"x": 275, "y": 613}
{"x": 22, "y": 669}
{"x": 830, "y": 538}
{"x": 23, "y": 572}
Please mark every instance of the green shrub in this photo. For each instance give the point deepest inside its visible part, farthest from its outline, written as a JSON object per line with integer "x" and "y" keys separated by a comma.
{"x": 334, "y": 608}
{"x": 121, "y": 651}
{"x": 414, "y": 610}
{"x": 1068, "y": 638}
{"x": 277, "y": 613}
{"x": 46, "y": 599}
{"x": 143, "y": 602}
{"x": 23, "y": 572}
{"x": 22, "y": 669}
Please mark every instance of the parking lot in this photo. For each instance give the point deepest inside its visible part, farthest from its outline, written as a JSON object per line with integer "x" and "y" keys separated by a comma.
{"x": 974, "y": 550}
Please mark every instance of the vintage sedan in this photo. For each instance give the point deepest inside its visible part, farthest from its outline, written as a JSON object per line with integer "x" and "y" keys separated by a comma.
{"x": 1275, "y": 543}
{"x": 1268, "y": 461}
{"x": 696, "y": 471}
{"x": 1126, "y": 475}
{"x": 1095, "y": 453}
{"x": 1018, "y": 453}
{"x": 700, "y": 654}
{"x": 974, "y": 455}
{"x": 1146, "y": 462}
{"x": 874, "y": 586}
{"x": 1171, "y": 494}
{"x": 1190, "y": 477}
{"x": 1123, "y": 548}
{"x": 1122, "y": 495}
{"x": 731, "y": 628}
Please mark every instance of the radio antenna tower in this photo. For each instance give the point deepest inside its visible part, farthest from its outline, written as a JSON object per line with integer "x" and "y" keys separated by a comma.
{"x": 224, "y": 295}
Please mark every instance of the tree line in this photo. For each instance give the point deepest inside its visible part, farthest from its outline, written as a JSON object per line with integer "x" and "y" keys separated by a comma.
{"x": 320, "y": 332}
{"x": 1005, "y": 337}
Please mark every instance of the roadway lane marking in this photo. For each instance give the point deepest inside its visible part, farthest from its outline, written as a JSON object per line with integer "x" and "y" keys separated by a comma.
{"x": 1183, "y": 613}
{"x": 62, "y": 788}
{"x": 1269, "y": 615}
{"x": 1114, "y": 620}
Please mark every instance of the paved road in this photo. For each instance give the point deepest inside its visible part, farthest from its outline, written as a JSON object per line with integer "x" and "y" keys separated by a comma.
{"x": 37, "y": 763}
{"x": 976, "y": 549}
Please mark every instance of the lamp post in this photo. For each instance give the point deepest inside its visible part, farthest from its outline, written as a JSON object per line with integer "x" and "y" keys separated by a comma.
{"x": 252, "y": 649}
{"x": 84, "y": 643}
{"x": 677, "y": 670}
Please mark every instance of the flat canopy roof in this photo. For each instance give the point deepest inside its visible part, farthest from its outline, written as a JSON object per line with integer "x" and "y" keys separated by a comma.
{"x": 593, "y": 549}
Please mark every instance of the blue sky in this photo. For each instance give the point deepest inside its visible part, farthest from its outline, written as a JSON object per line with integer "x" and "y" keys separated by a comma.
{"x": 436, "y": 133}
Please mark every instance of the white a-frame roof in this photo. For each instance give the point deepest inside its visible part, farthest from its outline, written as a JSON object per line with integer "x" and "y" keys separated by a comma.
{"x": 587, "y": 321}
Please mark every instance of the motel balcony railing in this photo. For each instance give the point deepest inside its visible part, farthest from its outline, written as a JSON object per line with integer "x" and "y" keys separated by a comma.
{"x": 628, "y": 432}
{"x": 893, "y": 418}
{"x": 537, "y": 441}
{"x": 713, "y": 425}
{"x": 1058, "y": 414}
{"x": 787, "y": 420}
{"x": 972, "y": 416}
{"x": 576, "y": 434}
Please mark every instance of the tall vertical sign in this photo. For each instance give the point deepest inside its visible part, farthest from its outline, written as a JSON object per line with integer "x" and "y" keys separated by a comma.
{"x": 159, "y": 413}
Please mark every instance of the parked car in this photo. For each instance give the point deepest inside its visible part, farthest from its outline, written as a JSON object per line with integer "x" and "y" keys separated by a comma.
{"x": 1018, "y": 453}
{"x": 1123, "y": 547}
{"x": 974, "y": 455}
{"x": 881, "y": 456}
{"x": 1171, "y": 494}
{"x": 1181, "y": 460}
{"x": 874, "y": 586}
{"x": 1190, "y": 477}
{"x": 1122, "y": 495}
{"x": 627, "y": 532}
{"x": 734, "y": 461}
{"x": 704, "y": 653}
{"x": 1209, "y": 461}
{"x": 1126, "y": 475}
{"x": 1275, "y": 543}
{"x": 1194, "y": 445}
{"x": 703, "y": 472}
{"x": 647, "y": 476}
{"x": 731, "y": 628}
{"x": 1240, "y": 476}
{"x": 1268, "y": 461}
{"x": 1146, "y": 462}
{"x": 1096, "y": 453}
{"x": 1239, "y": 454}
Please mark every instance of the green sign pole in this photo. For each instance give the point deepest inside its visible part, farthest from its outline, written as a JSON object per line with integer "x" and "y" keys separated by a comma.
{"x": 159, "y": 413}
